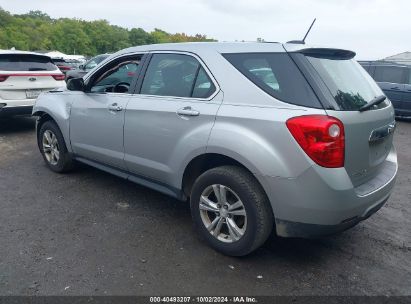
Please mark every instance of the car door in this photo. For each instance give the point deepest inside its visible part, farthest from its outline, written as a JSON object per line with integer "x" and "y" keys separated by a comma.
{"x": 97, "y": 115}
{"x": 171, "y": 117}
{"x": 391, "y": 80}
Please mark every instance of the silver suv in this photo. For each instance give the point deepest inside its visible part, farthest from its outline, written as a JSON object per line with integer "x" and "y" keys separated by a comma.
{"x": 257, "y": 136}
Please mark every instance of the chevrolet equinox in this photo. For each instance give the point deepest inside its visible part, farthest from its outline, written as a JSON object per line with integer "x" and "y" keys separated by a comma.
{"x": 256, "y": 136}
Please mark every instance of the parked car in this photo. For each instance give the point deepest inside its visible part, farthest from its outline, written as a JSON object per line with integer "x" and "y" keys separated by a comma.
{"x": 23, "y": 76}
{"x": 86, "y": 67}
{"x": 65, "y": 65}
{"x": 309, "y": 155}
{"x": 395, "y": 81}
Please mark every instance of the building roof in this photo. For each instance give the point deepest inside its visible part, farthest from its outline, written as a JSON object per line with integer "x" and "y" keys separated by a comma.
{"x": 404, "y": 57}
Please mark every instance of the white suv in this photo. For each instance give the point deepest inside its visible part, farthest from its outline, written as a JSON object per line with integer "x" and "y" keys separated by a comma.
{"x": 23, "y": 76}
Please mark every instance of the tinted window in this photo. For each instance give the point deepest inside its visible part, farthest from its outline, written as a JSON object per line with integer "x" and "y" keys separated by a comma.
{"x": 277, "y": 75}
{"x": 203, "y": 87}
{"x": 116, "y": 77}
{"x": 389, "y": 74}
{"x": 25, "y": 62}
{"x": 351, "y": 86}
{"x": 176, "y": 75}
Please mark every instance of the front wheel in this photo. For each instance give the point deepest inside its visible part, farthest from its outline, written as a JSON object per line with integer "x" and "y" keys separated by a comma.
{"x": 230, "y": 210}
{"x": 53, "y": 148}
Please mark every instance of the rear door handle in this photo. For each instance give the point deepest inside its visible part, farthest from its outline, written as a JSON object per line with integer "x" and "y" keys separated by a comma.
{"x": 115, "y": 107}
{"x": 187, "y": 111}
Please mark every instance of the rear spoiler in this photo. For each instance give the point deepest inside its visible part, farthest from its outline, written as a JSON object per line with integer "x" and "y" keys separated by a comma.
{"x": 328, "y": 53}
{"x": 322, "y": 52}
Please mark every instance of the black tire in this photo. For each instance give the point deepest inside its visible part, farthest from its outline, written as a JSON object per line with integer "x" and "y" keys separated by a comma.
{"x": 260, "y": 219}
{"x": 65, "y": 162}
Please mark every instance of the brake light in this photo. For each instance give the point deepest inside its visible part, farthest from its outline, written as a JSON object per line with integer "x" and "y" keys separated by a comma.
{"x": 3, "y": 77}
{"x": 64, "y": 68}
{"x": 321, "y": 137}
{"x": 58, "y": 76}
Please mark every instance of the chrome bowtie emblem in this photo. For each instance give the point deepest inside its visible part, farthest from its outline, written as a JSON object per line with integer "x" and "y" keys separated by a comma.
{"x": 382, "y": 132}
{"x": 32, "y": 78}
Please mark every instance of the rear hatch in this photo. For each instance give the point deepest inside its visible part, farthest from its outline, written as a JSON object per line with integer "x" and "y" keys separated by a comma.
{"x": 345, "y": 88}
{"x": 25, "y": 76}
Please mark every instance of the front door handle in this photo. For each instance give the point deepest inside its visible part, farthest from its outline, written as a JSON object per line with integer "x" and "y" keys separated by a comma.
{"x": 188, "y": 111}
{"x": 395, "y": 88}
{"x": 115, "y": 107}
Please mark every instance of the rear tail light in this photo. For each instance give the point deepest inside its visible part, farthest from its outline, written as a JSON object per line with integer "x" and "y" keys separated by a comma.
{"x": 64, "y": 68}
{"x": 55, "y": 76}
{"x": 321, "y": 137}
{"x": 59, "y": 77}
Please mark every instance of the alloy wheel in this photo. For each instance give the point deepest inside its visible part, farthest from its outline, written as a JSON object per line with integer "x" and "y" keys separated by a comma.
{"x": 223, "y": 213}
{"x": 51, "y": 147}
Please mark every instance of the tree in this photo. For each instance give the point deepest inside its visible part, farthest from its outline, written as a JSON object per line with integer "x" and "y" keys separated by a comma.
{"x": 138, "y": 36}
{"x": 36, "y": 31}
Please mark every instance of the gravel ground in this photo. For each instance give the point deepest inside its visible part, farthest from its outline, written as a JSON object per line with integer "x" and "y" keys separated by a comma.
{"x": 90, "y": 233}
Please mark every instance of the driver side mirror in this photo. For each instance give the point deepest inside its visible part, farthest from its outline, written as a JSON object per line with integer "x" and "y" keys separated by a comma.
{"x": 81, "y": 67}
{"x": 75, "y": 84}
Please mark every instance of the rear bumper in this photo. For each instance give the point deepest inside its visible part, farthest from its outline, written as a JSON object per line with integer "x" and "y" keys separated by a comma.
{"x": 295, "y": 229}
{"x": 324, "y": 201}
{"x": 7, "y": 111}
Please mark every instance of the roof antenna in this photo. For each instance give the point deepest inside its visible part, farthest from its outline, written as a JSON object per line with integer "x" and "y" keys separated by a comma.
{"x": 306, "y": 34}
{"x": 309, "y": 30}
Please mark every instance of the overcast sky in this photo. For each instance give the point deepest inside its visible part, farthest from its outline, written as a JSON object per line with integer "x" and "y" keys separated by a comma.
{"x": 373, "y": 28}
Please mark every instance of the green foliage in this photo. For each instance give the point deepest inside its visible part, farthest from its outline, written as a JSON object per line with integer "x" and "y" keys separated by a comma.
{"x": 37, "y": 31}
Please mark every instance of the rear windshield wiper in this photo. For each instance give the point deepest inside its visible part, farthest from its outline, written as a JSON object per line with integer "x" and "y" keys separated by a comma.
{"x": 377, "y": 100}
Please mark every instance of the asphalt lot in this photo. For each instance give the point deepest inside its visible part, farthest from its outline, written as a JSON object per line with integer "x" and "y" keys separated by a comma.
{"x": 90, "y": 233}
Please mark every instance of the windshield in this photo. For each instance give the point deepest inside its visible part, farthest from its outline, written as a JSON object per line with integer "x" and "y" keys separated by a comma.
{"x": 348, "y": 82}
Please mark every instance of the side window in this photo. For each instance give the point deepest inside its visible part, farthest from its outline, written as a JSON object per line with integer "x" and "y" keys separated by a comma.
{"x": 176, "y": 75}
{"x": 261, "y": 70}
{"x": 409, "y": 75}
{"x": 116, "y": 77}
{"x": 277, "y": 75}
{"x": 203, "y": 86}
{"x": 390, "y": 74}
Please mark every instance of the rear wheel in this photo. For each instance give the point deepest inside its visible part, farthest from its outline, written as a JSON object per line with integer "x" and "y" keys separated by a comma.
{"x": 53, "y": 148}
{"x": 231, "y": 211}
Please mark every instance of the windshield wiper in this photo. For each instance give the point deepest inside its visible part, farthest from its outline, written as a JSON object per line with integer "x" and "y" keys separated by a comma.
{"x": 377, "y": 100}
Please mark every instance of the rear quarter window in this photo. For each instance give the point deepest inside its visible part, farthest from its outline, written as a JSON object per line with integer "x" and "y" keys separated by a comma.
{"x": 25, "y": 62}
{"x": 277, "y": 75}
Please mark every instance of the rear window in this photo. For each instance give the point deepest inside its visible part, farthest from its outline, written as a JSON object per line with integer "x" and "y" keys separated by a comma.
{"x": 277, "y": 75}
{"x": 351, "y": 86}
{"x": 25, "y": 62}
